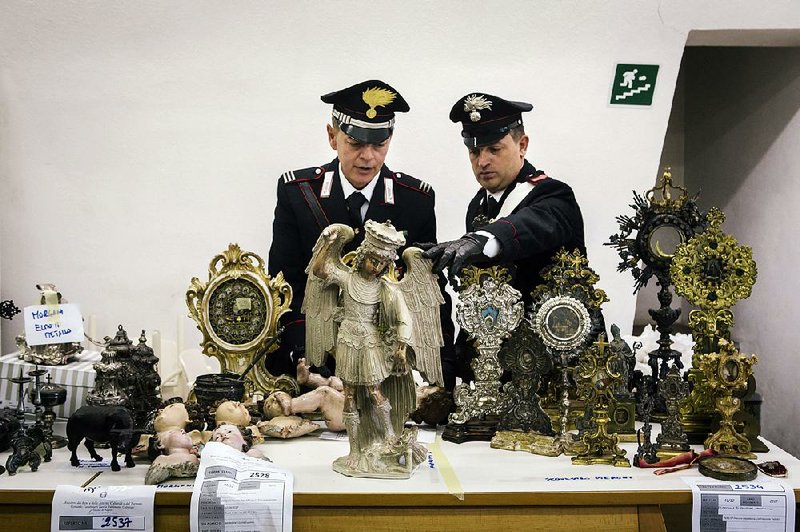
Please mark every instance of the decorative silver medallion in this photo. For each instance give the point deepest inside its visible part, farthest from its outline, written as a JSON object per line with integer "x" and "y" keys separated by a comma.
{"x": 562, "y": 322}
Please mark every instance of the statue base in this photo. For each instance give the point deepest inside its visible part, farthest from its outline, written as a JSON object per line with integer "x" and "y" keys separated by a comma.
{"x": 472, "y": 430}
{"x": 396, "y": 459}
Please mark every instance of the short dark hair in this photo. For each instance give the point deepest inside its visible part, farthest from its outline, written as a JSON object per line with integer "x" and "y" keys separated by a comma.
{"x": 517, "y": 132}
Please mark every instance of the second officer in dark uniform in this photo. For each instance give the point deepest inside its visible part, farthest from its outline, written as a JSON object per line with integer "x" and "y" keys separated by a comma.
{"x": 520, "y": 217}
{"x": 354, "y": 187}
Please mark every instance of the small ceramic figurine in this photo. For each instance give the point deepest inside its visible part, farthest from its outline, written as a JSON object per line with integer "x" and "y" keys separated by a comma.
{"x": 370, "y": 335}
{"x": 238, "y": 437}
{"x": 232, "y": 412}
{"x": 179, "y": 459}
{"x": 174, "y": 415}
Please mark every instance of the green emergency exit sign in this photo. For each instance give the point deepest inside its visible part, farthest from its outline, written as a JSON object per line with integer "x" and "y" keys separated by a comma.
{"x": 634, "y": 84}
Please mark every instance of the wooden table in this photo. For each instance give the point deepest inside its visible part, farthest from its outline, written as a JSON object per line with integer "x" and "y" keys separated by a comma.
{"x": 465, "y": 487}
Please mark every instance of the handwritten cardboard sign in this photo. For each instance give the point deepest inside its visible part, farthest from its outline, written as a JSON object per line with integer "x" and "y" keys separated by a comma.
{"x": 53, "y": 324}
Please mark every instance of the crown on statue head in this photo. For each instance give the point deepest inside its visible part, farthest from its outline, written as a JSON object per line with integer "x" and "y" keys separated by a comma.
{"x": 381, "y": 240}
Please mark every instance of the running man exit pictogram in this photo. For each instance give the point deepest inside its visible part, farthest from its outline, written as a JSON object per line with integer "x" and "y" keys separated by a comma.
{"x": 634, "y": 84}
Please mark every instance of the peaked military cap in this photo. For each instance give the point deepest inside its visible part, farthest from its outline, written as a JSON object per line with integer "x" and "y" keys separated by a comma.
{"x": 486, "y": 118}
{"x": 366, "y": 110}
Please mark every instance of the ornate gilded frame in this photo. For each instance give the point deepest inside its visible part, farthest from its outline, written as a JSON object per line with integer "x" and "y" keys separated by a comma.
{"x": 237, "y": 310}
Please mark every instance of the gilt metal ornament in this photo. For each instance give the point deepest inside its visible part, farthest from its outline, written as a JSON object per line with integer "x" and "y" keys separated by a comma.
{"x": 237, "y": 310}
{"x": 712, "y": 271}
{"x": 728, "y": 371}
{"x": 596, "y": 377}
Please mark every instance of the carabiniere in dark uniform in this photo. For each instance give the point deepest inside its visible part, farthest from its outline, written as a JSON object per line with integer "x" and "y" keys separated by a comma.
{"x": 313, "y": 198}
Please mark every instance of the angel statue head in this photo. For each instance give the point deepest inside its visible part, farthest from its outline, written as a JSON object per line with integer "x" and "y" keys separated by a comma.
{"x": 379, "y": 248}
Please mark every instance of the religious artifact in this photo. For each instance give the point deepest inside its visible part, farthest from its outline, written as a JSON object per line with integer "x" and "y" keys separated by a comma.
{"x": 25, "y": 441}
{"x": 623, "y": 414}
{"x": 101, "y": 424}
{"x": 48, "y": 354}
{"x": 178, "y": 459}
{"x": 144, "y": 391}
{"x": 370, "y": 334}
{"x": 728, "y": 468}
{"x": 525, "y": 421}
{"x": 52, "y": 395}
{"x": 596, "y": 378}
{"x": 282, "y": 412}
{"x": 238, "y": 437}
{"x": 646, "y": 451}
{"x": 712, "y": 271}
{"x": 726, "y": 372}
{"x": 489, "y": 310}
{"x": 44, "y": 397}
{"x": 660, "y": 224}
{"x": 108, "y": 390}
{"x": 237, "y": 311}
{"x": 672, "y": 389}
{"x": 564, "y": 313}
{"x": 24, "y": 445}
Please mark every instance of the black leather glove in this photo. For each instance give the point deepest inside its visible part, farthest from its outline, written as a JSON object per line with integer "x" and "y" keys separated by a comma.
{"x": 457, "y": 253}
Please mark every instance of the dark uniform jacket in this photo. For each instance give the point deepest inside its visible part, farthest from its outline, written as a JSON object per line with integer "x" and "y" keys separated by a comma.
{"x": 547, "y": 219}
{"x": 301, "y": 216}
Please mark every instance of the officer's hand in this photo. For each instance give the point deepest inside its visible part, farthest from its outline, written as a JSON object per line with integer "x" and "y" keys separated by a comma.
{"x": 457, "y": 253}
{"x": 424, "y": 246}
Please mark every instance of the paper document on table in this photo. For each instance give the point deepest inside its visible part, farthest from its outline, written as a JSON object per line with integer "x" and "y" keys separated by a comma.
{"x": 102, "y": 508}
{"x": 234, "y": 492}
{"x": 765, "y": 506}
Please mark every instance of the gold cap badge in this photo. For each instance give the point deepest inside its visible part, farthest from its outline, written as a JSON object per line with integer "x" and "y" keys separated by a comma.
{"x": 377, "y": 97}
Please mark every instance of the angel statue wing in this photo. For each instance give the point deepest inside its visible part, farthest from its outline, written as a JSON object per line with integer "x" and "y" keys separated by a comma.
{"x": 423, "y": 298}
{"x": 321, "y": 299}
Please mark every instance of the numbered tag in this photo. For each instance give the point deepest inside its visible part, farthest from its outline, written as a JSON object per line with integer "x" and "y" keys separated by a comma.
{"x": 103, "y": 508}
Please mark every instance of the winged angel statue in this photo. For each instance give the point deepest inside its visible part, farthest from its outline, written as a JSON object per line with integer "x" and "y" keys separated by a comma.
{"x": 378, "y": 329}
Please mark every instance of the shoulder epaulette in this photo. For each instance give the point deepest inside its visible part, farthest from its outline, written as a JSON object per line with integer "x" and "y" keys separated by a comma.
{"x": 306, "y": 174}
{"x": 412, "y": 183}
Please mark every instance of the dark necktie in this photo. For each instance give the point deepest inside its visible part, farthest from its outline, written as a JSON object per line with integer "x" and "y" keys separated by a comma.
{"x": 492, "y": 207}
{"x": 354, "y": 203}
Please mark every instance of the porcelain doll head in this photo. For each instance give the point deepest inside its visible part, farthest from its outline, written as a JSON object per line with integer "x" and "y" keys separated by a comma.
{"x": 232, "y": 412}
{"x": 173, "y": 416}
{"x": 233, "y": 436}
{"x": 174, "y": 439}
{"x": 277, "y": 404}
